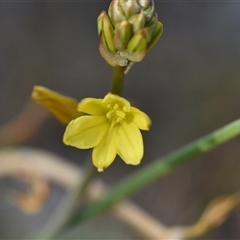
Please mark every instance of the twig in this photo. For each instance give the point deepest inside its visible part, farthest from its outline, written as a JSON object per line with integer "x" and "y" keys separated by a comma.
{"x": 41, "y": 163}
{"x": 24, "y": 126}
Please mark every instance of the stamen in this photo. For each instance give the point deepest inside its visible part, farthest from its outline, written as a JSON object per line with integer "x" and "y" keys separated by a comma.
{"x": 116, "y": 114}
{"x": 116, "y": 106}
{"x": 120, "y": 114}
{"x": 110, "y": 113}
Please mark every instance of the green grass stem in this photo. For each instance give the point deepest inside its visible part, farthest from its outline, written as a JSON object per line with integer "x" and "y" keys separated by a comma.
{"x": 158, "y": 168}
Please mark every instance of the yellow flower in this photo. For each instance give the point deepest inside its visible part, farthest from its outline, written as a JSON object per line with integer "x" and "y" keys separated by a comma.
{"x": 110, "y": 128}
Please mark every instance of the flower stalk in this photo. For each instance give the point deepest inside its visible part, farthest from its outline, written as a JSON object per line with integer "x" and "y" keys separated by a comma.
{"x": 117, "y": 80}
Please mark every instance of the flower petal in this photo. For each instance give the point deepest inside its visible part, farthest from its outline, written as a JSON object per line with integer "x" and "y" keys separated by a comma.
{"x": 105, "y": 152}
{"x": 141, "y": 119}
{"x": 86, "y": 131}
{"x": 129, "y": 143}
{"x": 112, "y": 98}
{"x": 92, "y": 106}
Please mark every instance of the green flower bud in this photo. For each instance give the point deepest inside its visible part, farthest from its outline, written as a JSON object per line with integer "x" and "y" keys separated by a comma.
{"x": 123, "y": 33}
{"x": 156, "y": 35}
{"x": 128, "y": 31}
{"x": 138, "y": 21}
{"x": 106, "y": 31}
{"x": 139, "y": 42}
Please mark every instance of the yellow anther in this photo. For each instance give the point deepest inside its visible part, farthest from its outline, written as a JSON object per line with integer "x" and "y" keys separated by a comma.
{"x": 120, "y": 114}
{"x": 116, "y": 114}
{"x": 116, "y": 106}
{"x": 124, "y": 108}
{"x": 110, "y": 113}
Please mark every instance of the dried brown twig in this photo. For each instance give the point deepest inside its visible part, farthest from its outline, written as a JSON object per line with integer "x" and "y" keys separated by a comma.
{"x": 216, "y": 212}
{"x": 35, "y": 168}
{"x": 24, "y": 126}
{"x": 41, "y": 163}
{"x": 32, "y": 201}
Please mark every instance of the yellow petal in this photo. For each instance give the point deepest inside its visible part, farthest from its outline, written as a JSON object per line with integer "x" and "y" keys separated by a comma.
{"x": 141, "y": 119}
{"x": 86, "y": 131}
{"x": 62, "y": 107}
{"x": 129, "y": 143}
{"x": 105, "y": 152}
{"x": 112, "y": 98}
{"x": 92, "y": 106}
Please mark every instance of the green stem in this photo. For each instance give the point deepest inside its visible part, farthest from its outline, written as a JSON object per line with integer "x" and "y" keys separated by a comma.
{"x": 160, "y": 167}
{"x": 117, "y": 80}
{"x": 91, "y": 172}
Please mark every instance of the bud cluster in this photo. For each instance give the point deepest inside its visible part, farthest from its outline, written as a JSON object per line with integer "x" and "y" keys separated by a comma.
{"x": 128, "y": 31}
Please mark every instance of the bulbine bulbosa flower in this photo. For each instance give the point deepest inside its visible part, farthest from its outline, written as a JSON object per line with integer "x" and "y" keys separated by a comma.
{"x": 128, "y": 31}
{"x": 110, "y": 127}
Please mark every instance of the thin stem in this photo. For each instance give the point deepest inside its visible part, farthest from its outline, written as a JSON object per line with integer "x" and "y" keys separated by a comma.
{"x": 158, "y": 168}
{"x": 117, "y": 80}
{"x": 90, "y": 174}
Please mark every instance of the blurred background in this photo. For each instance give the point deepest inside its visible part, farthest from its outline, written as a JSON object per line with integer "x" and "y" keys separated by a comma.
{"x": 189, "y": 84}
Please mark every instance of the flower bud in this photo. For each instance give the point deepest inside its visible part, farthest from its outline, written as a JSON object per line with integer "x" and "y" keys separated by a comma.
{"x": 139, "y": 41}
{"x": 123, "y": 33}
{"x": 62, "y": 107}
{"x": 128, "y": 31}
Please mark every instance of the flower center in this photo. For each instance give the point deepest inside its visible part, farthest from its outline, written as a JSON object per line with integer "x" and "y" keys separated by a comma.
{"x": 117, "y": 114}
